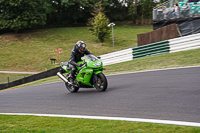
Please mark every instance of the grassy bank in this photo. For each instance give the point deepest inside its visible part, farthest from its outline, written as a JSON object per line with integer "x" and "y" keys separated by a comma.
{"x": 32, "y": 51}
{"x": 29, "y": 124}
{"x": 9, "y": 77}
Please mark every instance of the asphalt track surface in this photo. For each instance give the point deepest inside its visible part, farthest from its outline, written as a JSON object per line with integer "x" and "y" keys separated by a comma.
{"x": 172, "y": 94}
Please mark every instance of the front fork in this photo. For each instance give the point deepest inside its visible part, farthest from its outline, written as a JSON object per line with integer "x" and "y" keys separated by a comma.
{"x": 95, "y": 77}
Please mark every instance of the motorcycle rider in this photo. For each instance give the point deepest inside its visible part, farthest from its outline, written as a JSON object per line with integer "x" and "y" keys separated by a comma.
{"x": 77, "y": 52}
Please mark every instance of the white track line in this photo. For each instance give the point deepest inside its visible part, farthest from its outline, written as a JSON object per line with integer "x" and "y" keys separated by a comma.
{"x": 181, "y": 123}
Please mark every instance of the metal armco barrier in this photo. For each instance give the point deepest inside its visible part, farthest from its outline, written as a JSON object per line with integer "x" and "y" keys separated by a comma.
{"x": 185, "y": 43}
{"x": 151, "y": 49}
{"x": 117, "y": 57}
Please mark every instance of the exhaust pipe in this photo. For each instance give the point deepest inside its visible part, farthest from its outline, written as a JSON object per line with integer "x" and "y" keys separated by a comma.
{"x": 62, "y": 77}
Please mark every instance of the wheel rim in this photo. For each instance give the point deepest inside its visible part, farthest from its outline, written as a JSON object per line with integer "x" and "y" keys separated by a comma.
{"x": 71, "y": 87}
{"x": 100, "y": 83}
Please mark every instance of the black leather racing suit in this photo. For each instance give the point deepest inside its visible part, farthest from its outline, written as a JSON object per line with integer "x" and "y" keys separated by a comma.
{"x": 76, "y": 57}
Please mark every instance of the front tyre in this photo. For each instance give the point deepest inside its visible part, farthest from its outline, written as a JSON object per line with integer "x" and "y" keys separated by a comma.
{"x": 101, "y": 83}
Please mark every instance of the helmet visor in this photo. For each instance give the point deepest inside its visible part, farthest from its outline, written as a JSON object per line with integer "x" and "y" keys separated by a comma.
{"x": 82, "y": 47}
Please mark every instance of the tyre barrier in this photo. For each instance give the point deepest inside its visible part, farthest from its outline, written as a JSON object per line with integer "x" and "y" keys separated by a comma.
{"x": 151, "y": 49}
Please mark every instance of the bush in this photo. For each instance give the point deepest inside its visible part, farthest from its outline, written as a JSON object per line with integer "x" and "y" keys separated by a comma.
{"x": 100, "y": 25}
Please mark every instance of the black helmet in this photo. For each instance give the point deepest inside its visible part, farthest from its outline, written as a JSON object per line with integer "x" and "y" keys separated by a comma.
{"x": 80, "y": 46}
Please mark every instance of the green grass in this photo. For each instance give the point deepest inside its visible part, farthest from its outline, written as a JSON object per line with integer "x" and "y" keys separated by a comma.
{"x": 5, "y": 77}
{"x": 32, "y": 51}
{"x": 30, "y": 124}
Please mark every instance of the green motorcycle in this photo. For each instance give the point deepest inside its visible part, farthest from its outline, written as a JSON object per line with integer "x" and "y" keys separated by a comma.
{"x": 89, "y": 75}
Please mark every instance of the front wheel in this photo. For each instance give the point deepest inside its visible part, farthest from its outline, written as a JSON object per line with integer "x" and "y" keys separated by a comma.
{"x": 101, "y": 83}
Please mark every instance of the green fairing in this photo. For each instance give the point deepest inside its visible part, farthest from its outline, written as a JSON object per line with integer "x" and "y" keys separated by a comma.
{"x": 65, "y": 68}
{"x": 86, "y": 72}
{"x": 84, "y": 76}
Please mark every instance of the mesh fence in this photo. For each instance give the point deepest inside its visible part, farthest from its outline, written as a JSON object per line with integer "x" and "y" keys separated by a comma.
{"x": 175, "y": 9}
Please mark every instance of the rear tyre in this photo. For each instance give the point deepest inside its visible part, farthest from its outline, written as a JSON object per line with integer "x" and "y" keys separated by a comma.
{"x": 71, "y": 88}
{"x": 101, "y": 83}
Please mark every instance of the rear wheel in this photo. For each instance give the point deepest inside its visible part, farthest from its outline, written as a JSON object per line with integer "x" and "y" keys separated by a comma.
{"x": 101, "y": 83}
{"x": 71, "y": 88}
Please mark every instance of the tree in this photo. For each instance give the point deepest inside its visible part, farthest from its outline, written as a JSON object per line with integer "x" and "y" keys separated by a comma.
{"x": 133, "y": 11}
{"x": 141, "y": 10}
{"x": 100, "y": 24}
{"x": 22, "y": 14}
{"x": 79, "y": 11}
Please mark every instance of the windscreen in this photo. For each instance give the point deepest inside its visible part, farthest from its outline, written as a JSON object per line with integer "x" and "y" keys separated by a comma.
{"x": 90, "y": 57}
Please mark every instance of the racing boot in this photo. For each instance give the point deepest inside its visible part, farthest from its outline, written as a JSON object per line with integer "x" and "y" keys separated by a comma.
{"x": 71, "y": 79}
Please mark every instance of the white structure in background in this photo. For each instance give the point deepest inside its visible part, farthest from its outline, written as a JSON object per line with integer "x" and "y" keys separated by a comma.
{"x": 117, "y": 57}
{"x": 184, "y": 43}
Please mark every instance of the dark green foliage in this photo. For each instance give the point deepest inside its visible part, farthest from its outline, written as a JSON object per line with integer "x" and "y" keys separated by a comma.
{"x": 141, "y": 10}
{"x": 23, "y": 14}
